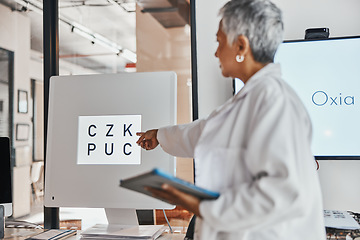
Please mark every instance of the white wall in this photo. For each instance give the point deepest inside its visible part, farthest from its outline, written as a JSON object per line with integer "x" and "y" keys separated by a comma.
{"x": 341, "y": 17}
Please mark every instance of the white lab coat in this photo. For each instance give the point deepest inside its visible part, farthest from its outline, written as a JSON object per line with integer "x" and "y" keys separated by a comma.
{"x": 255, "y": 151}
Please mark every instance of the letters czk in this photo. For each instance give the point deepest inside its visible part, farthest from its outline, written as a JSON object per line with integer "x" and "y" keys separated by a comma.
{"x": 108, "y": 139}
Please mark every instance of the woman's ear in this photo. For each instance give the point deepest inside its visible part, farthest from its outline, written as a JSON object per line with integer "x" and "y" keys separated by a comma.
{"x": 243, "y": 45}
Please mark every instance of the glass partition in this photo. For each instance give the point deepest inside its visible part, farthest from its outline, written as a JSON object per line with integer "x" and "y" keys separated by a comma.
{"x": 95, "y": 37}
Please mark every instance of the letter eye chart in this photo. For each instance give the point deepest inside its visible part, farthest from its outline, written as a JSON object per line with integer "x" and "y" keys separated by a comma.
{"x": 108, "y": 139}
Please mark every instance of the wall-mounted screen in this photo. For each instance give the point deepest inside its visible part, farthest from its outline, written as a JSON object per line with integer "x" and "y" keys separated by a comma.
{"x": 326, "y": 76}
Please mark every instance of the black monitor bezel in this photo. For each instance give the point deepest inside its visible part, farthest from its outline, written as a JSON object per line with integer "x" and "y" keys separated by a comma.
{"x": 321, "y": 39}
{"x": 328, "y": 39}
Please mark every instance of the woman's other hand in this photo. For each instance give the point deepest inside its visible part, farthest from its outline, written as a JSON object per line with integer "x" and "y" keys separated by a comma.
{"x": 148, "y": 139}
{"x": 176, "y": 197}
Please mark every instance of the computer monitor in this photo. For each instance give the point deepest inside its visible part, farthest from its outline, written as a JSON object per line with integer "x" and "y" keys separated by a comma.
{"x": 5, "y": 176}
{"x": 91, "y": 143}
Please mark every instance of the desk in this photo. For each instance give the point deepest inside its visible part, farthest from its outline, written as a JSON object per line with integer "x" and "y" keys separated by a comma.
{"x": 21, "y": 234}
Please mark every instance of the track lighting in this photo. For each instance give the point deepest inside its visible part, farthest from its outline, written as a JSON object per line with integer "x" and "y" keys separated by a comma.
{"x": 83, "y": 31}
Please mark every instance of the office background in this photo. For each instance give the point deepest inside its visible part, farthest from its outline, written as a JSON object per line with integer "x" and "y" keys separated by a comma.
{"x": 158, "y": 47}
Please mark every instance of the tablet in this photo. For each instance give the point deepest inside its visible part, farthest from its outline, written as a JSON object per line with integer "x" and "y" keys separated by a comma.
{"x": 157, "y": 177}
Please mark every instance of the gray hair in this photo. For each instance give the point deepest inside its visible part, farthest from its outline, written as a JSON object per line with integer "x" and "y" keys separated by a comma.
{"x": 258, "y": 20}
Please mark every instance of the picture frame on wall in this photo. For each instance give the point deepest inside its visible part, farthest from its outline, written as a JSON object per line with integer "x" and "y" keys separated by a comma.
{"x": 22, "y": 101}
{"x": 22, "y": 131}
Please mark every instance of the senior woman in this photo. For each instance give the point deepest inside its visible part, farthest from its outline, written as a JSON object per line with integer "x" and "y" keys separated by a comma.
{"x": 254, "y": 149}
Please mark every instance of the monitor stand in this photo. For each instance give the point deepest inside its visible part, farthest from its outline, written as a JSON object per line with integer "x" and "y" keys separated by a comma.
{"x": 121, "y": 216}
{"x": 118, "y": 217}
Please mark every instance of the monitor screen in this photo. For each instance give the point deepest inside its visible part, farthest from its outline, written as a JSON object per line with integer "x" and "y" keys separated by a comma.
{"x": 326, "y": 76}
{"x": 5, "y": 176}
{"x": 91, "y": 142}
